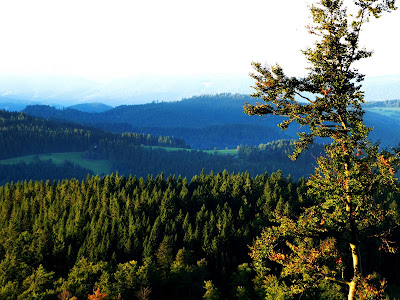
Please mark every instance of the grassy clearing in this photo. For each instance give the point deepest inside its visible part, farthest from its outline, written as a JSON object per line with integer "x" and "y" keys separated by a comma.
{"x": 386, "y": 111}
{"x": 97, "y": 166}
{"x": 167, "y": 148}
{"x": 220, "y": 152}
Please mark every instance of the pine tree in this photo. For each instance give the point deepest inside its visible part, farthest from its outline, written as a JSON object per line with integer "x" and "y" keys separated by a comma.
{"x": 315, "y": 245}
{"x": 212, "y": 292}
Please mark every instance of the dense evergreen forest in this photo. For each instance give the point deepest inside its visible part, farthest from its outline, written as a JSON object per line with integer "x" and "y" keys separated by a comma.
{"x": 124, "y": 235}
{"x": 41, "y": 170}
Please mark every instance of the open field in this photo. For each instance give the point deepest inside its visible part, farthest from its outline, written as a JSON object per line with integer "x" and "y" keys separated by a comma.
{"x": 222, "y": 152}
{"x": 167, "y": 148}
{"x": 393, "y": 112}
{"x": 97, "y": 166}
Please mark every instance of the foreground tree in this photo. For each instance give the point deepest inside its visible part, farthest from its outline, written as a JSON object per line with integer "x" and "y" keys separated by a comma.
{"x": 321, "y": 245}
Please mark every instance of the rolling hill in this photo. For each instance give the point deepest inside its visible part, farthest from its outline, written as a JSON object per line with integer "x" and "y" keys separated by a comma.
{"x": 204, "y": 122}
{"x": 212, "y": 121}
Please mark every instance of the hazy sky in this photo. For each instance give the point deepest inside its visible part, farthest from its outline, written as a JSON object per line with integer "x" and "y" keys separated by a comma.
{"x": 107, "y": 39}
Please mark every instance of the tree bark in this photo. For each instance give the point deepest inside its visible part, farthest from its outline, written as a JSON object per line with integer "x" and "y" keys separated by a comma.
{"x": 353, "y": 234}
{"x": 356, "y": 268}
{"x": 352, "y": 290}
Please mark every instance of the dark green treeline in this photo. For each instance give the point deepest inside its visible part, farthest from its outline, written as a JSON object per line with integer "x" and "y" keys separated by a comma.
{"x": 41, "y": 170}
{"x": 21, "y": 134}
{"x": 141, "y": 161}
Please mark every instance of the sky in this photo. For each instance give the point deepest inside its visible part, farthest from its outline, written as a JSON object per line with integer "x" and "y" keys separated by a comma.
{"x": 103, "y": 40}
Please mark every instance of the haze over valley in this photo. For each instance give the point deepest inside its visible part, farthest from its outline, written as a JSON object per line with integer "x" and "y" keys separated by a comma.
{"x": 62, "y": 91}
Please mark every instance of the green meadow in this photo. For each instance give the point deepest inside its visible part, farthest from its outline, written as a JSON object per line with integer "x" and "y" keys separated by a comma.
{"x": 393, "y": 112}
{"x": 97, "y": 166}
{"x": 221, "y": 152}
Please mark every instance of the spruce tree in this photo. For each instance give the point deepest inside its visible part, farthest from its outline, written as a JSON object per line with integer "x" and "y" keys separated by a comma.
{"x": 321, "y": 245}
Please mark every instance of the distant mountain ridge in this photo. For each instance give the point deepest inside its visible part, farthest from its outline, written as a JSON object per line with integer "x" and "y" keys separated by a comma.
{"x": 209, "y": 121}
{"x": 386, "y": 103}
{"x": 11, "y": 106}
{"x": 64, "y": 91}
{"x": 94, "y": 107}
{"x": 204, "y": 122}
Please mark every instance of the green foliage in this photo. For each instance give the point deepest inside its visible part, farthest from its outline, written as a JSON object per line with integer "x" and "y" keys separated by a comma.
{"x": 83, "y": 277}
{"x": 126, "y": 278}
{"x": 242, "y": 285}
{"x": 212, "y": 293}
{"x": 274, "y": 289}
{"x": 38, "y": 285}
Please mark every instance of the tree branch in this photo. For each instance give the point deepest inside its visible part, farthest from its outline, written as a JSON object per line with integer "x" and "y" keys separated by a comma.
{"x": 337, "y": 280}
{"x": 305, "y": 98}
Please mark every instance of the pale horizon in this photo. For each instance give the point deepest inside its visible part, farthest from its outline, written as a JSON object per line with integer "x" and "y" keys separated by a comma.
{"x": 106, "y": 44}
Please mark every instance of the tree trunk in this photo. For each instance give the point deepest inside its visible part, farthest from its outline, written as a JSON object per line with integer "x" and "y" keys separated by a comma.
{"x": 353, "y": 235}
{"x": 356, "y": 268}
{"x": 352, "y": 290}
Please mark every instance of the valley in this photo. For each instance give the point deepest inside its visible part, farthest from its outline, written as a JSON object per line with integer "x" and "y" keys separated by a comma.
{"x": 200, "y": 150}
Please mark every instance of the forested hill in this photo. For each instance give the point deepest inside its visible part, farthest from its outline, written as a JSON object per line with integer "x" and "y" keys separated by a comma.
{"x": 204, "y": 122}
{"x": 383, "y": 116}
{"x": 127, "y": 153}
{"x": 211, "y": 121}
{"x": 91, "y": 107}
{"x": 383, "y": 104}
{"x": 21, "y": 134}
{"x": 206, "y": 110}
